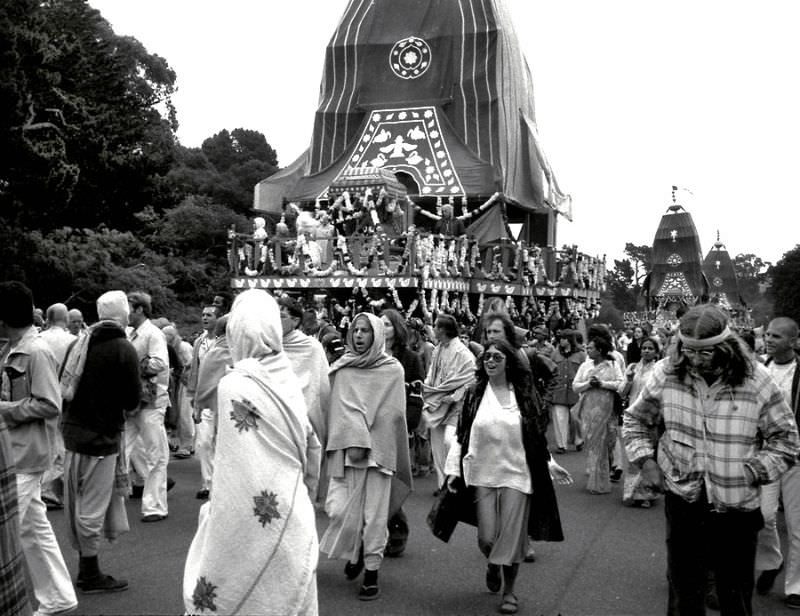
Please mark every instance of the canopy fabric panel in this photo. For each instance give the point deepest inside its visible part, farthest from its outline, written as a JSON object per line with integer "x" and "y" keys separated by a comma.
{"x": 721, "y": 274}
{"x": 459, "y": 60}
{"x": 677, "y": 259}
{"x": 491, "y": 227}
{"x": 270, "y": 194}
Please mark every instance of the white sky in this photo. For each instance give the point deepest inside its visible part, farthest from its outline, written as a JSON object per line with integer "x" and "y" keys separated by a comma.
{"x": 631, "y": 98}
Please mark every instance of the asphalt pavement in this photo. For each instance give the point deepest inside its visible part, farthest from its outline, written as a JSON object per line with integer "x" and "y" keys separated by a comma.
{"x": 612, "y": 561}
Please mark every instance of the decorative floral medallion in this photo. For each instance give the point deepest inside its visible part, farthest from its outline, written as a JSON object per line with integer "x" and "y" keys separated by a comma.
{"x": 410, "y": 57}
{"x": 244, "y": 415}
{"x": 204, "y": 595}
{"x": 266, "y": 507}
{"x": 674, "y": 260}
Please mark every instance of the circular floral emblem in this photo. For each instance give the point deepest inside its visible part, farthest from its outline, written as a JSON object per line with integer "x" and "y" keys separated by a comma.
{"x": 410, "y": 57}
{"x": 717, "y": 281}
{"x": 674, "y": 260}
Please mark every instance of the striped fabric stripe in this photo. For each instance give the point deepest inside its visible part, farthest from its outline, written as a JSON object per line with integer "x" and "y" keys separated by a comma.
{"x": 13, "y": 592}
{"x": 492, "y": 93}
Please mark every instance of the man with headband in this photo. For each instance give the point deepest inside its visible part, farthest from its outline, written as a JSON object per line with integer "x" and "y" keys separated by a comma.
{"x": 725, "y": 430}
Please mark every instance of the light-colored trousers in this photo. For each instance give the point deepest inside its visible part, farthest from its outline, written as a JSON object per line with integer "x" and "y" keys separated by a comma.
{"x": 185, "y": 428}
{"x": 205, "y": 443}
{"x": 148, "y": 451}
{"x": 442, "y": 436}
{"x": 378, "y": 488}
{"x": 560, "y": 413}
{"x": 56, "y": 471}
{"x": 51, "y": 582}
{"x": 502, "y": 524}
{"x": 89, "y": 484}
{"x": 768, "y": 553}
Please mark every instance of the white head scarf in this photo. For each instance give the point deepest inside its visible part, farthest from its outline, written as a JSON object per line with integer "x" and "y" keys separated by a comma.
{"x": 374, "y": 356}
{"x": 254, "y": 326}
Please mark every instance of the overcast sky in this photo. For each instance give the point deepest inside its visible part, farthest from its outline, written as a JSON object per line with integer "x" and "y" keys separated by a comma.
{"x": 631, "y": 98}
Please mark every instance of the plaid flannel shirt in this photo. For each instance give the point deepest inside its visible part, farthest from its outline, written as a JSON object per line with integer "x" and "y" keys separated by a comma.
{"x": 13, "y": 590}
{"x": 711, "y": 433}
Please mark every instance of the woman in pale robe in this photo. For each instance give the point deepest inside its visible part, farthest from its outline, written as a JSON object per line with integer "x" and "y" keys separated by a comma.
{"x": 256, "y": 548}
{"x": 367, "y": 452}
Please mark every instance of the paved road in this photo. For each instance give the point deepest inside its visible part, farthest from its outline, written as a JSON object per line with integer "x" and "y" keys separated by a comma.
{"x": 611, "y": 563}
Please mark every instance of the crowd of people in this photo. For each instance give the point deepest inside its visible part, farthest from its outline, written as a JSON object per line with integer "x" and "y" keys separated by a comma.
{"x": 290, "y": 417}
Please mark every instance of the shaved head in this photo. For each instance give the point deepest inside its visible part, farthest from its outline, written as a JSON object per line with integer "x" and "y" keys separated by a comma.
{"x": 57, "y": 315}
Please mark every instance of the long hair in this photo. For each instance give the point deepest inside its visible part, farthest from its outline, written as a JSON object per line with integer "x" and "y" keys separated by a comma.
{"x": 603, "y": 346}
{"x": 516, "y": 372}
{"x": 731, "y": 356}
{"x": 508, "y": 328}
{"x": 656, "y": 344}
{"x": 572, "y": 336}
{"x": 400, "y": 330}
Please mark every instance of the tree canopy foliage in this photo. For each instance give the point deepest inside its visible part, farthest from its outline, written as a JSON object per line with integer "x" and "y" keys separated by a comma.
{"x": 87, "y": 115}
{"x": 95, "y": 190}
{"x": 785, "y": 288}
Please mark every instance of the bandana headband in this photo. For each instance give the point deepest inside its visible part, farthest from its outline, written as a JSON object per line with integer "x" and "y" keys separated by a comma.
{"x": 704, "y": 343}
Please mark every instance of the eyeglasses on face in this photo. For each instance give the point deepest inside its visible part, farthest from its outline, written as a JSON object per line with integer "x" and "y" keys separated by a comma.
{"x": 494, "y": 357}
{"x": 702, "y": 354}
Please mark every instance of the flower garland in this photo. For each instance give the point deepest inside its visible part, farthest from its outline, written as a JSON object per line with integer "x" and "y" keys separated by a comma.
{"x": 480, "y": 306}
{"x": 465, "y": 306}
{"x": 465, "y": 213}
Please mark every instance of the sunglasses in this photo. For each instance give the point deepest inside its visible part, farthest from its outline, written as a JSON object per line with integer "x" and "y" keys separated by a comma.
{"x": 494, "y": 357}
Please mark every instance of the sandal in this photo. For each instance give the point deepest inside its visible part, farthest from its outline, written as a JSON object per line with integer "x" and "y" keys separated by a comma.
{"x": 493, "y": 580}
{"x": 369, "y": 593}
{"x": 510, "y": 604}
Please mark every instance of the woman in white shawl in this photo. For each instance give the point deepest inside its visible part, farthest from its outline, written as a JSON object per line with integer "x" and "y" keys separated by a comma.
{"x": 256, "y": 548}
{"x": 367, "y": 449}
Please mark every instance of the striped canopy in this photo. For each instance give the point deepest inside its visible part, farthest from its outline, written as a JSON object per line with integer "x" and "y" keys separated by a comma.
{"x": 439, "y": 93}
{"x": 677, "y": 272}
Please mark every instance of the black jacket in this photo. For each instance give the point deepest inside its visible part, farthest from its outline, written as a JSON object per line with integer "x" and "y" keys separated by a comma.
{"x": 109, "y": 385}
{"x": 544, "y": 522}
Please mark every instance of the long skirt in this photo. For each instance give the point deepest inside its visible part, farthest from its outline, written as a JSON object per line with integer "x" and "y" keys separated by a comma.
{"x": 599, "y": 427}
{"x": 503, "y": 524}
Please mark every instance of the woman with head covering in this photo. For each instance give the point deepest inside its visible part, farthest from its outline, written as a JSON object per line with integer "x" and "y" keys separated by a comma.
{"x": 636, "y": 375}
{"x": 256, "y": 550}
{"x": 367, "y": 447}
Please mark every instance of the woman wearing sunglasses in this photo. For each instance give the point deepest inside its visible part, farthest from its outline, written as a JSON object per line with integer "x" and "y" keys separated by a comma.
{"x": 501, "y": 451}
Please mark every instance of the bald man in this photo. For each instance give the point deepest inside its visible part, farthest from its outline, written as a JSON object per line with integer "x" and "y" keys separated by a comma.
{"x": 75, "y": 324}
{"x": 56, "y": 334}
{"x": 783, "y": 363}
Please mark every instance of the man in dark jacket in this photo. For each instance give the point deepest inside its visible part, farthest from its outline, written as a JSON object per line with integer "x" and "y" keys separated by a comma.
{"x": 92, "y": 425}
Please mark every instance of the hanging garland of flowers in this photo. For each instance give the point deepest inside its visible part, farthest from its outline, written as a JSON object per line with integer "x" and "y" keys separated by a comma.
{"x": 465, "y": 213}
{"x": 396, "y": 298}
{"x": 480, "y": 306}
{"x": 465, "y": 306}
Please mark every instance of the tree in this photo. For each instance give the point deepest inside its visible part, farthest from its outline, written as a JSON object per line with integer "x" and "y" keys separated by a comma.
{"x": 641, "y": 258}
{"x": 785, "y": 289}
{"x": 620, "y": 286}
{"x": 751, "y": 273}
{"x": 241, "y": 159}
{"x": 87, "y": 122}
